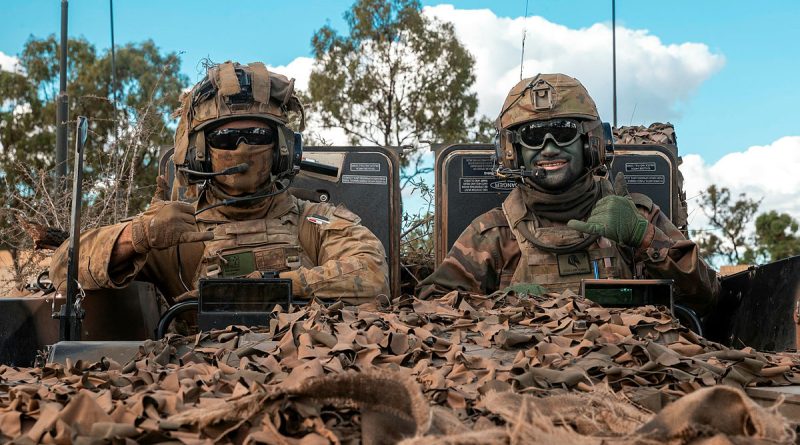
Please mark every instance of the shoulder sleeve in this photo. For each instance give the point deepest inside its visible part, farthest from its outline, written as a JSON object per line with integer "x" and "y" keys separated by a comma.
{"x": 671, "y": 255}
{"x": 476, "y": 261}
{"x": 350, "y": 262}
{"x": 489, "y": 220}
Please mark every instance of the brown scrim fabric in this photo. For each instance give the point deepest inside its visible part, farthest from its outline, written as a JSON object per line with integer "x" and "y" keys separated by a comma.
{"x": 463, "y": 369}
{"x": 656, "y": 133}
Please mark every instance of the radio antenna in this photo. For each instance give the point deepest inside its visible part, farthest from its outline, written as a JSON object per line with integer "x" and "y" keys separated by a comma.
{"x": 113, "y": 69}
{"x": 614, "y": 54}
{"x": 524, "y": 34}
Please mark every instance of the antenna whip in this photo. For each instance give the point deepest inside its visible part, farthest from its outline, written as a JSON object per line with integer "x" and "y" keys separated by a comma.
{"x": 524, "y": 34}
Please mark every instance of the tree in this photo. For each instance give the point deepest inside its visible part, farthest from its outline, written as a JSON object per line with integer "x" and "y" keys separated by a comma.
{"x": 121, "y": 157}
{"x": 128, "y": 136}
{"x": 397, "y": 78}
{"x": 728, "y": 236}
{"x": 776, "y": 237}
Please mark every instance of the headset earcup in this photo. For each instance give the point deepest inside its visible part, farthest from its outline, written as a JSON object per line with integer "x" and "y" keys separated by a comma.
{"x": 588, "y": 156}
{"x": 289, "y": 163}
{"x": 500, "y": 152}
{"x": 297, "y": 151}
{"x": 591, "y": 151}
{"x": 198, "y": 165}
{"x": 276, "y": 160}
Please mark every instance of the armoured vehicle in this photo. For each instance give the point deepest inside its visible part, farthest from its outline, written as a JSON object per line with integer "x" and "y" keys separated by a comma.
{"x": 757, "y": 308}
{"x": 366, "y": 179}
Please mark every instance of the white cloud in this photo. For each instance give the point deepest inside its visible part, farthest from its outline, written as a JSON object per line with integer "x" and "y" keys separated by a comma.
{"x": 9, "y": 63}
{"x": 762, "y": 171}
{"x": 653, "y": 78}
{"x": 299, "y": 69}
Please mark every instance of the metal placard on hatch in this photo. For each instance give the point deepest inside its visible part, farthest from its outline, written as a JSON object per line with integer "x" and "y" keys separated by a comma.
{"x": 649, "y": 170}
{"x": 466, "y": 187}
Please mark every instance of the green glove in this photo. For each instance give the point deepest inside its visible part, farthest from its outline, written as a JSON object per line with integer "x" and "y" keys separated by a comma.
{"x": 615, "y": 217}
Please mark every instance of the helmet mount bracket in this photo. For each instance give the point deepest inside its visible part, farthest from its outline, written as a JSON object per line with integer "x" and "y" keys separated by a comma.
{"x": 542, "y": 96}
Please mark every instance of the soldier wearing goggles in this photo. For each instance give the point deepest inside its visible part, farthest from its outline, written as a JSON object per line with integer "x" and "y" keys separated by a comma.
{"x": 235, "y": 156}
{"x": 565, "y": 222}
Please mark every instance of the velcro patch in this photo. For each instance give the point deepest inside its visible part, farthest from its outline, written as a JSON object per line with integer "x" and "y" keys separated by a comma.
{"x": 574, "y": 263}
{"x": 318, "y": 219}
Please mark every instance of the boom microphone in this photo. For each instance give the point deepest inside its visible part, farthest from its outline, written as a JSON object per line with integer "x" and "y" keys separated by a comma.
{"x": 536, "y": 172}
{"x": 236, "y": 169}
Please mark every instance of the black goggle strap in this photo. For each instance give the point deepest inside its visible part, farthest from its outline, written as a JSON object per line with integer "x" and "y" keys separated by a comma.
{"x": 510, "y": 136}
{"x": 586, "y": 127}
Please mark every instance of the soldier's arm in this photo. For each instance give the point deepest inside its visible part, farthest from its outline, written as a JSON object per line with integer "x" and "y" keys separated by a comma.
{"x": 482, "y": 260}
{"x": 666, "y": 253}
{"x": 107, "y": 259}
{"x": 351, "y": 261}
{"x": 112, "y": 256}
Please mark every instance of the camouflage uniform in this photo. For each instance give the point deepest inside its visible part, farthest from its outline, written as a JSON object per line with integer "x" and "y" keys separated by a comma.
{"x": 515, "y": 245}
{"x": 486, "y": 258}
{"x": 323, "y": 249}
{"x": 338, "y": 259}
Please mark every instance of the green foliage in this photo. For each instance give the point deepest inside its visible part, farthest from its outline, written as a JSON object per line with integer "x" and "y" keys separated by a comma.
{"x": 484, "y": 131}
{"x": 398, "y": 77}
{"x": 416, "y": 239}
{"x": 728, "y": 238}
{"x": 124, "y": 141}
{"x": 776, "y": 237}
{"x": 776, "y": 234}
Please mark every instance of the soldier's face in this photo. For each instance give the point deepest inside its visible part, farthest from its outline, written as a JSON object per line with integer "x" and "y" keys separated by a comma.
{"x": 562, "y": 165}
{"x": 254, "y": 149}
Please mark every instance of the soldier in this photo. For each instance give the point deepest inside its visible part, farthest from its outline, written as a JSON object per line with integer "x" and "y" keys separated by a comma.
{"x": 232, "y": 140}
{"x": 563, "y": 220}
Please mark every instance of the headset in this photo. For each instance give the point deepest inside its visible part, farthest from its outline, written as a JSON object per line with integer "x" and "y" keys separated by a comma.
{"x": 286, "y": 157}
{"x": 598, "y": 151}
{"x": 597, "y": 141}
{"x": 287, "y": 154}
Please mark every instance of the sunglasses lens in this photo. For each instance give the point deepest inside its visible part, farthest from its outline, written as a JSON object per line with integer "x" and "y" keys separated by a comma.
{"x": 230, "y": 138}
{"x": 562, "y": 131}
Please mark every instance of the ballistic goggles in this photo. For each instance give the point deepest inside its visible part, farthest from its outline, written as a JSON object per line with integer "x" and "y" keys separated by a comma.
{"x": 534, "y": 135}
{"x": 230, "y": 138}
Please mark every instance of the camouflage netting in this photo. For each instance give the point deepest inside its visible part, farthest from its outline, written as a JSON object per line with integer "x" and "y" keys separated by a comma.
{"x": 502, "y": 369}
{"x": 656, "y": 133}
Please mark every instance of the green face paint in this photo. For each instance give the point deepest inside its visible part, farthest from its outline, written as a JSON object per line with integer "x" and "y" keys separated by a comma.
{"x": 562, "y": 165}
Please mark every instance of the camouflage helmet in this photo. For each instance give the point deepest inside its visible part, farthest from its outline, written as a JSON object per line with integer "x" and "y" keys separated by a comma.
{"x": 231, "y": 91}
{"x": 544, "y": 97}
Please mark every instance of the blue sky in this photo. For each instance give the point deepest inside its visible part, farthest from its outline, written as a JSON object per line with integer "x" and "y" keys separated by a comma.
{"x": 750, "y": 101}
{"x": 746, "y": 95}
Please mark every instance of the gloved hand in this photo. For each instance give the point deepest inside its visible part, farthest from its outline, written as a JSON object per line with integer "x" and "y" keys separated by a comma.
{"x": 166, "y": 224}
{"x": 615, "y": 217}
{"x": 160, "y": 194}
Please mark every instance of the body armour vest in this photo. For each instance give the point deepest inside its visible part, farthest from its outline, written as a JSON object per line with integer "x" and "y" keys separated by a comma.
{"x": 557, "y": 272}
{"x": 251, "y": 247}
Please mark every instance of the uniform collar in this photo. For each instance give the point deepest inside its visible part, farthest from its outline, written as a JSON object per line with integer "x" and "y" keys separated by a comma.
{"x": 514, "y": 207}
{"x": 274, "y": 207}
